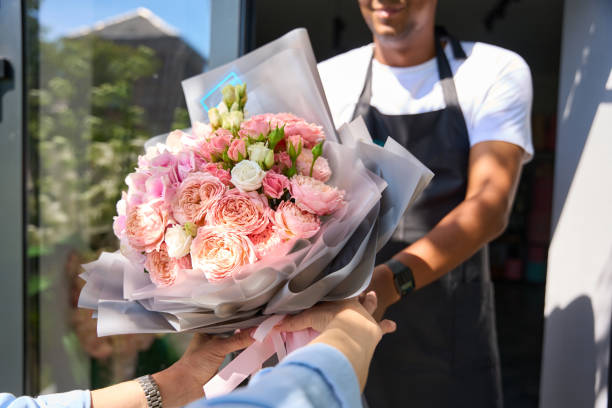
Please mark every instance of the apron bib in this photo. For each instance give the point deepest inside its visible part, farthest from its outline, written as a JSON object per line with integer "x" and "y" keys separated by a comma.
{"x": 444, "y": 352}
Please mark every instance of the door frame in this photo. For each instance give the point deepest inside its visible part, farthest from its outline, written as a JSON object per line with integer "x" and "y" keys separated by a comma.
{"x": 12, "y": 239}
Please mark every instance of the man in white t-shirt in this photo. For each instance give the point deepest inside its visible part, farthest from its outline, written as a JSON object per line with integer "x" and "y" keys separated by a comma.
{"x": 463, "y": 109}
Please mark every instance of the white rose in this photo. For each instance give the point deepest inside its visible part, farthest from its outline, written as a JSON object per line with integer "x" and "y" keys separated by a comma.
{"x": 247, "y": 175}
{"x": 177, "y": 241}
{"x": 258, "y": 152}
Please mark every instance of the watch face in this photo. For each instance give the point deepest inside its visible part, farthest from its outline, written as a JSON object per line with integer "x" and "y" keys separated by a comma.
{"x": 402, "y": 276}
{"x": 404, "y": 281}
{"x": 407, "y": 287}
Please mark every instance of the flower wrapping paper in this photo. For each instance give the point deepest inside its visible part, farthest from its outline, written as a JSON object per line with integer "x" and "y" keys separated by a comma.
{"x": 337, "y": 263}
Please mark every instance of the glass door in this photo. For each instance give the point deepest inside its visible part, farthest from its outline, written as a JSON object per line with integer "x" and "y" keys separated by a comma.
{"x": 99, "y": 79}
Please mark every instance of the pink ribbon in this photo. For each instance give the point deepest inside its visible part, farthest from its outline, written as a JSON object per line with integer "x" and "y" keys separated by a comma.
{"x": 267, "y": 342}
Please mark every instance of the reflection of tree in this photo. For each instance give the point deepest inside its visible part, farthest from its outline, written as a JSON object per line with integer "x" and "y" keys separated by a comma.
{"x": 88, "y": 135}
{"x": 85, "y": 131}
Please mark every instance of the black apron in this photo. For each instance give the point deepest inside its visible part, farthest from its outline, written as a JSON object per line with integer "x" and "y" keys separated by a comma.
{"x": 444, "y": 352}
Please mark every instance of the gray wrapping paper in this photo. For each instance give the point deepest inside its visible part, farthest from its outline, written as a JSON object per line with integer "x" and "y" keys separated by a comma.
{"x": 337, "y": 263}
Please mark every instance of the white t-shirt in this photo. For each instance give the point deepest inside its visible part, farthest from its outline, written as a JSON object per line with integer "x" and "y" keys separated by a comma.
{"x": 493, "y": 86}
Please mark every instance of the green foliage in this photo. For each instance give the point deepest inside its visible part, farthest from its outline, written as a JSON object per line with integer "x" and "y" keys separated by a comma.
{"x": 86, "y": 133}
{"x": 181, "y": 118}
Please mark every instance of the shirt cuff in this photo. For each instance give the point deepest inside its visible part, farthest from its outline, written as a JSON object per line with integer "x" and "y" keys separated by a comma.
{"x": 333, "y": 367}
{"x": 71, "y": 399}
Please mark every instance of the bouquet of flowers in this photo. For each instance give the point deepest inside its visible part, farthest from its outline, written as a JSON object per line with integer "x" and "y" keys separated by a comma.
{"x": 228, "y": 194}
{"x": 252, "y": 212}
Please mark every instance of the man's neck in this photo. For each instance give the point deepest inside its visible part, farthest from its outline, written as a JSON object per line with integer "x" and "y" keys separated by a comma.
{"x": 414, "y": 49}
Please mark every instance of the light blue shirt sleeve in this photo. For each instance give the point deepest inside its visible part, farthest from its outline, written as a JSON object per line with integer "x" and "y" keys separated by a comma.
{"x": 72, "y": 399}
{"x": 313, "y": 376}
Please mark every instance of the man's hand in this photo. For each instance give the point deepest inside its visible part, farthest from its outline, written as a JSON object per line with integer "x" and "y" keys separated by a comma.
{"x": 383, "y": 285}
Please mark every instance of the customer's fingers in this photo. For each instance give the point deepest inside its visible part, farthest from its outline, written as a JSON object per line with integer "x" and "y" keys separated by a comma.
{"x": 387, "y": 326}
{"x": 238, "y": 341}
{"x": 304, "y": 320}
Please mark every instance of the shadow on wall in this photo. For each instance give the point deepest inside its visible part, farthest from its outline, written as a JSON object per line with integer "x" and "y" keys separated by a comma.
{"x": 577, "y": 353}
{"x": 585, "y": 68}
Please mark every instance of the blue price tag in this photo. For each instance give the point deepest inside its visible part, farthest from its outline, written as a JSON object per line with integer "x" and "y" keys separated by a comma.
{"x": 230, "y": 79}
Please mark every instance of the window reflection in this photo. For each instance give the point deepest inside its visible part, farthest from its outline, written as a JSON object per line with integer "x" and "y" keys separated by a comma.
{"x": 94, "y": 97}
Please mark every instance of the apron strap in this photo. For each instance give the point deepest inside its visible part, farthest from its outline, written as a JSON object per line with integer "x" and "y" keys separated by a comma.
{"x": 444, "y": 71}
{"x": 458, "y": 52}
{"x": 363, "y": 103}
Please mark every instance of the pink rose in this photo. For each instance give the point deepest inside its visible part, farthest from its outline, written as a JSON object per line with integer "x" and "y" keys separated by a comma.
{"x": 220, "y": 141}
{"x": 246, "y": 213}
{"x": 163, "y": 269}
{"x": 136, "y": 183}
{"x": 253, "y": 127}
{"x": 266, "y": 242}
{"x": 189, "y": 141}
{"x": 186, "y": 163}
{"x": 146, "y": 224}
{"x": 150, "y": 153}
{"x": 205, "y": 150}
{"x": 274, "y": 184}
{"x": 161, "y": 184}
{"x": 219, "y": 172}
{"x": 315, "y": 196}
{"x": 279, "y": 119}
{"x": 296, "y": 141}
{"x": 194, "y": 197}
{"x": 283, "y": 160}
{"x": 219, "y": 252}
{"x": 311, "y": 133}
{"x": 165, "y": 160}
{"x": 120, "y": 221}
{"x": 237, "y": 150}
{"x": 292, "y": 222}
{"x": 320, "y": 171}
{"x": 119, "y": 225}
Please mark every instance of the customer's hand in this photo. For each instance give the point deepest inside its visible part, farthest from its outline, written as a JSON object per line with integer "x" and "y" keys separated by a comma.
{"x": 346, "y": 325}
{"x": 182, "y": 382}
{"x": 199, "y": 363}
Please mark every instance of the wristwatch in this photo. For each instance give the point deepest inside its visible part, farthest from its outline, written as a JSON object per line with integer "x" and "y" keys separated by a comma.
{"x": 402, "y": 276}
{"x": 151, "y": 390}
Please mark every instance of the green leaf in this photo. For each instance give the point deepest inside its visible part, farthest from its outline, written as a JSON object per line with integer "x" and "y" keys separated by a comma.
{"x": 226, "y": 158}
{"x": 190, "y": 228}
{"x": 317, "y": 151}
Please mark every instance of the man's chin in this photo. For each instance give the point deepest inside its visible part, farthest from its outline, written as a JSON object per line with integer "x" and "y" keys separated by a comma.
{"x": 390, "y": 34}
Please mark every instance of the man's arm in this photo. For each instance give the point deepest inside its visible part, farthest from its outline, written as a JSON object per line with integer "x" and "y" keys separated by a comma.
{"x": 493, "y": 175}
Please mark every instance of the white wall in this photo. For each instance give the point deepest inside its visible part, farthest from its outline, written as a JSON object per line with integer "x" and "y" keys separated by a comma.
{"x": 579, "y": 287}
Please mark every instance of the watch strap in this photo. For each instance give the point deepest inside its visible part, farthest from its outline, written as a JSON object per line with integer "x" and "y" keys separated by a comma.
{"x": 402, "y": 276}
{"x": 151, "y": 391}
